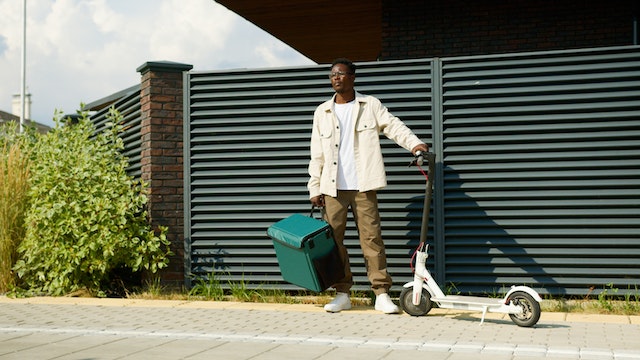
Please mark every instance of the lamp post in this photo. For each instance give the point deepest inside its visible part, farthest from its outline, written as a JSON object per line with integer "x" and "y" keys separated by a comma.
{"x": 23, "y": 75}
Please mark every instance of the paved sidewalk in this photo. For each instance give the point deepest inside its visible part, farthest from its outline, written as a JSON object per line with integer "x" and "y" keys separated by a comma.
{"x": 86, "y": 328}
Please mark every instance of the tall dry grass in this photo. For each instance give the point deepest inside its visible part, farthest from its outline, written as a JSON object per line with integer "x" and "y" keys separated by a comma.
{"x": 14, "y": 176}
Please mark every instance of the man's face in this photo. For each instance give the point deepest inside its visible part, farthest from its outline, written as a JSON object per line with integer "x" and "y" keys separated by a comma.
{"x": 343, "y": 81}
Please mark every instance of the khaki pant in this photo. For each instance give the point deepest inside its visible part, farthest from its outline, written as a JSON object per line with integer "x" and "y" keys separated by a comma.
{"x": 364, "y": 206}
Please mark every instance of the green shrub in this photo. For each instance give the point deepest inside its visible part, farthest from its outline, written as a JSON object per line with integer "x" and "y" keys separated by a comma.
{"x": 14, "y": 172}
{"x": 87, "y": 216}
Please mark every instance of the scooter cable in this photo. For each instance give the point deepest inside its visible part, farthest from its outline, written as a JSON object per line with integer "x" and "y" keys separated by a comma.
{"x": 426, "y": 176}
{"x": 420, "y": 245}
{"x": 413, "y": 256}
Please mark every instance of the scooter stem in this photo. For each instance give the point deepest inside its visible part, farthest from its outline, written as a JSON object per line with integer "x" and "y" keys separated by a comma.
{"x": 426, "y": 209}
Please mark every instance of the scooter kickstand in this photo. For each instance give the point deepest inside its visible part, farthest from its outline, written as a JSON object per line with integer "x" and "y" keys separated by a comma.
{"x": 484, "y": 312}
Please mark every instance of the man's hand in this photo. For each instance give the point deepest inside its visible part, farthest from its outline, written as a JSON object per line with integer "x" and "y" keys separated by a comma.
{"x": 318, "y": 201}
{"x": 422, "y": 147}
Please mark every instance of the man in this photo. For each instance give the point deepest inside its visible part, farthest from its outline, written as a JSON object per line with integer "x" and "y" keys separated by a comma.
{"x": 346, "y": 169}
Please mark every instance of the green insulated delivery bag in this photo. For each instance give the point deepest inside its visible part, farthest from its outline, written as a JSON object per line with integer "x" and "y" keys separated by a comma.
{"x": 306, "y": 252}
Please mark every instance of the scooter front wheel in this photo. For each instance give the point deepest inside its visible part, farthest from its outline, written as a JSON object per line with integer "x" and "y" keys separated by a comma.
{"x": 530, "y": 309}
{"x": 406, "y": 302}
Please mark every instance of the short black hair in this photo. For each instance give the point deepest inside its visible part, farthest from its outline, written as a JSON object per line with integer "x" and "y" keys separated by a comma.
{"x": 345, "y": 61}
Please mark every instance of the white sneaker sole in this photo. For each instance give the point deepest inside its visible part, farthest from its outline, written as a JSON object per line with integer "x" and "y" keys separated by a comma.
{"x": 389, "y": 311}
{"x": 332, "y": 309}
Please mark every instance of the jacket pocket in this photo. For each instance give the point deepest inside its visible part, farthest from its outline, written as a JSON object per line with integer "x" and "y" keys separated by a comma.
{"x": 366, "y": 125}
{"x": 325, "y": 130}
{"x": 367, "y": 130}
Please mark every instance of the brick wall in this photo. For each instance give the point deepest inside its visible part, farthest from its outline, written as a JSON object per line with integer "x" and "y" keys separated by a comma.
{"x": 425, "y": 28}
{"x": 161, "y": 155}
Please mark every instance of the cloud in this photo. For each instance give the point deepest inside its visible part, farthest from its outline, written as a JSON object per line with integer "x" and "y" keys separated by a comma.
{"x": 3, "y": 45}
{"x": 83, "y": 50}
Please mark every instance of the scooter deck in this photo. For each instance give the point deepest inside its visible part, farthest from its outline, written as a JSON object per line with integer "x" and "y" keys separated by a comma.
{"x": 477, "y": 303}
{"x": 469, "y": 300}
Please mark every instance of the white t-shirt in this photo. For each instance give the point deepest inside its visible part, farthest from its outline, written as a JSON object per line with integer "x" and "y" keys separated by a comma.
{"x": 347, "y": 176}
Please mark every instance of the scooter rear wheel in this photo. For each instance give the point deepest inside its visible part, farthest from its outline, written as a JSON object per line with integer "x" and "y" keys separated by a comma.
{"x": 406, "y": 302}
{"x": 530, "y": 309}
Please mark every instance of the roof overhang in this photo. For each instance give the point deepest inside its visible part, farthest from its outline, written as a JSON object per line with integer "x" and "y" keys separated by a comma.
{"x": 319, "y": 29}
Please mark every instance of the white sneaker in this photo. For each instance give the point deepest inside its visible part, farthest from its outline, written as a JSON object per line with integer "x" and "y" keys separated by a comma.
{"x": 384, "y": 304}
{"x": 339, "y": 303}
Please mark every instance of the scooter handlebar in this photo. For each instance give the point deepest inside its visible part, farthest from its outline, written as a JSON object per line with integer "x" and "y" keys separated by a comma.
{"x": 421, "y": 156}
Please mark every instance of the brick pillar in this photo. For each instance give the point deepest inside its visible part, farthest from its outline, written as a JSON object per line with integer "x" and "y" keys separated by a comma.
{"x": 162, "y": 165}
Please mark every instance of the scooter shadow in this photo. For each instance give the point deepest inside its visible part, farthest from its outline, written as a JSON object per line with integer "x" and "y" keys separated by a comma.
{"x": 491, "y": 318}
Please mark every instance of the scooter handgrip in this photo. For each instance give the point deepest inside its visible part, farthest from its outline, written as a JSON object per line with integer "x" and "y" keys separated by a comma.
{"x": 419, "y": 158}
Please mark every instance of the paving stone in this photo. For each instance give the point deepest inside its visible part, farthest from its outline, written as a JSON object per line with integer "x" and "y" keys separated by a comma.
{"x": 68, "y": 328}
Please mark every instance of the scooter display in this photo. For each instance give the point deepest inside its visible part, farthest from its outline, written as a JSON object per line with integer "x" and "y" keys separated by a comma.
{"x": 417, "y": 297}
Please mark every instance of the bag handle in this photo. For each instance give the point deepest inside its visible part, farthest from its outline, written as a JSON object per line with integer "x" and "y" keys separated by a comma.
{"x": 322, "y": 212}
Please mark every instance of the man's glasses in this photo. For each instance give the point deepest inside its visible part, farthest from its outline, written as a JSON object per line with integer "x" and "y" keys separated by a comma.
{"x": 338, "y": 74}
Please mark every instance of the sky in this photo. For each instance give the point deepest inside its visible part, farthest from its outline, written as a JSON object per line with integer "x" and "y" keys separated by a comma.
{"x": 79, "y": 51}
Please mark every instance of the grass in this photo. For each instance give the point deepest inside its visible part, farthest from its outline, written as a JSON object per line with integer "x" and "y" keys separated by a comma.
{"x": 608, "y": 301}
{"x": 14, "y": 176}
{"x": 211, "y": 289}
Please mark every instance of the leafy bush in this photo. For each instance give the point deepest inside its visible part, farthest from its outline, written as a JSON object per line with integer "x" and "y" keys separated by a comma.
{"x": 14, "y": 172}
{"x": 87, "y": 216}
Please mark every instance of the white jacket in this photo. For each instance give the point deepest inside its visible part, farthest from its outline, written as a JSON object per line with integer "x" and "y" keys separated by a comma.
{"x": 370, "y": 119}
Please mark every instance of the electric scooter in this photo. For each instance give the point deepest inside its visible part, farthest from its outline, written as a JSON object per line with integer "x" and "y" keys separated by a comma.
{"x": 522, "y": 303}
